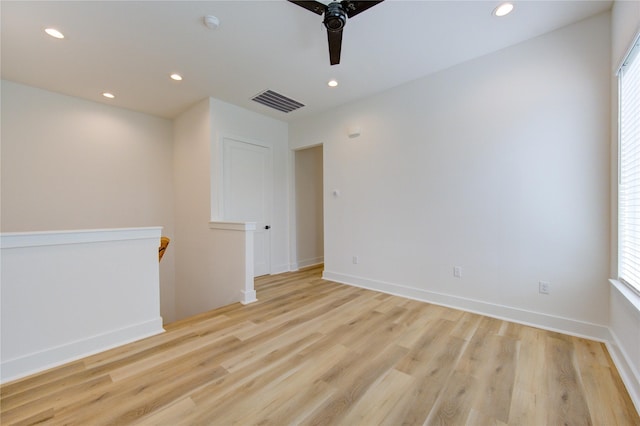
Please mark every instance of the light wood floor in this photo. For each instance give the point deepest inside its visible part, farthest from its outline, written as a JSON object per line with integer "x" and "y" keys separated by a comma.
{"x": 316, "y": 352}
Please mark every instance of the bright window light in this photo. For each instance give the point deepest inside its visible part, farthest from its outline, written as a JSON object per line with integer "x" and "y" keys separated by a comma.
{"x": 629, "y": 170}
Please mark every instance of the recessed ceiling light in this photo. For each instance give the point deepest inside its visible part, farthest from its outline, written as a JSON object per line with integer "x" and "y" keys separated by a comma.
{"x": 176, "y": 77}
{"x": 332, "y": 83}
{"x": 503, "y": 9}
{"x": 108, "y": 95}
{"x": 54, "y": 33}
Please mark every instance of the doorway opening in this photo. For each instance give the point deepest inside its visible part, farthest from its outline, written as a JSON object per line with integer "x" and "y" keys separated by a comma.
{"x": 309, "y": 207}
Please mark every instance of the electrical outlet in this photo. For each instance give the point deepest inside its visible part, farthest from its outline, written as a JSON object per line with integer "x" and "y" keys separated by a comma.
{"x": 457, "y": 272}
{"x": 356, "y": 260}
{"x": 544, "y": 287}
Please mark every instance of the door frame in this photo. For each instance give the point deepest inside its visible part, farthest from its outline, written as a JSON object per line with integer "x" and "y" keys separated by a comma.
{"x": 220, "y": 196}
{"x": 293, "y": 221}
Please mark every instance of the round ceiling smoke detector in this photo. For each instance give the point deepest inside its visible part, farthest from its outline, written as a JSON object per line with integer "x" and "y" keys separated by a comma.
{"x": 211, "y": 22}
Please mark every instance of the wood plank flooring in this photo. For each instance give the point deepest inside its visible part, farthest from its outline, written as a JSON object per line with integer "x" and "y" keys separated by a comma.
{"x": 314, "y": 352}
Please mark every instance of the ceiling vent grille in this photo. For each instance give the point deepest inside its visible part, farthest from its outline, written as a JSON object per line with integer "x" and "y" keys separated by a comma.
{"x": 277, "y": 101}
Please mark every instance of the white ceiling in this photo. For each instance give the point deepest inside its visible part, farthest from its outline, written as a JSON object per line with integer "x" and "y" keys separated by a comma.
{"x": 130, "y": 48}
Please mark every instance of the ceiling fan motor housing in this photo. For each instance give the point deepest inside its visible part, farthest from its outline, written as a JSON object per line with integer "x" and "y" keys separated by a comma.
{"x": 335, "y": 17}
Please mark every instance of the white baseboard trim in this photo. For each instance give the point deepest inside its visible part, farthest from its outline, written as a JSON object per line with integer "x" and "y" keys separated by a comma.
{"x": 33, "y": 363}
{"x": 622, "y": 361}
{"x": 307, "y": 263}
{"x": 279, "y": 269}
{"x": 248, "y": 296}
{"x": 310, "y": 262}
{"x": 535, "y": 319}
{"x": 630, "y": 377}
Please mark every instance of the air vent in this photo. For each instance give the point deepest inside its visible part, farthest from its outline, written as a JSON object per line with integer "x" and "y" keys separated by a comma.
{"x": 277, "y": 101}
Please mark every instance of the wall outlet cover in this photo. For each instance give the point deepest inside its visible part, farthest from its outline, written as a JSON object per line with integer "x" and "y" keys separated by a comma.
{"x": 457, "y": 271}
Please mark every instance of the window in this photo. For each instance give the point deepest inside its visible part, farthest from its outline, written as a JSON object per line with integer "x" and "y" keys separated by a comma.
{"x": 629, "y": 170}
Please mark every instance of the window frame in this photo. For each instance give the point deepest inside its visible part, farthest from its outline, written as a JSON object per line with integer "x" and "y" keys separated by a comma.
{"x": 632, "y": 57}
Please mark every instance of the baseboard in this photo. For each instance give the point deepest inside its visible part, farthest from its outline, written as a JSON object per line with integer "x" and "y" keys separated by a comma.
{"x": 630, "y": 377}
{"x": 306, "y": 263}
{"x": 535, "y": 319}
{"x": 29, "y": 364}
{"x": 310, "y": 262}
{"x": 248, "y": 296}
{"x": 279, "y": 269}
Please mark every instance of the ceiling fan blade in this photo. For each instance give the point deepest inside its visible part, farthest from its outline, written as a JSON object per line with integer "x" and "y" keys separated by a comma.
{"x": 335, "y": 46}
{"x": 355, "y": 7}
{"x": 314, "y": 6}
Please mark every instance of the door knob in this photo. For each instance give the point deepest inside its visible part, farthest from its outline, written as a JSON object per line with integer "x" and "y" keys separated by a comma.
{"x": 267, "y": 227}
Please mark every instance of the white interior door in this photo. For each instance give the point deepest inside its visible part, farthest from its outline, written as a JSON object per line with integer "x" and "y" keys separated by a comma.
{"x": 247, "y": 182}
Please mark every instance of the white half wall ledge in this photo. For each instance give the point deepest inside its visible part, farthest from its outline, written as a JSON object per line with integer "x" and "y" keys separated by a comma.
{"x": 63, "y": 299}
{"x": 55, "y": 238}
{"x": 242, "y": 273}
{"x": 568, "y": 326}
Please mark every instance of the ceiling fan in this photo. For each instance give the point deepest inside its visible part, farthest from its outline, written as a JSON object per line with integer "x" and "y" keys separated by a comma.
{"x": 335, "y": 18}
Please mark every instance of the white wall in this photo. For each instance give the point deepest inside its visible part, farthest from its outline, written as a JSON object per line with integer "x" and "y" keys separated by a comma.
{"x": 624, "y": 306}
{"x": 206, "y": 255}
{"x": 499, "y": 165}
{"x": 69, "y": 294}
{"x": 309, "y": 207}
{"x": 73, "y": 164}
{"x": 625, "y": 21}
{"x": 192, "y": 168}
{"x": 232, "y": 121}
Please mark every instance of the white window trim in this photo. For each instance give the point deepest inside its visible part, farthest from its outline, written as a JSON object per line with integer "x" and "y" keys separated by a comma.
{"x": 633, "y": 54}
